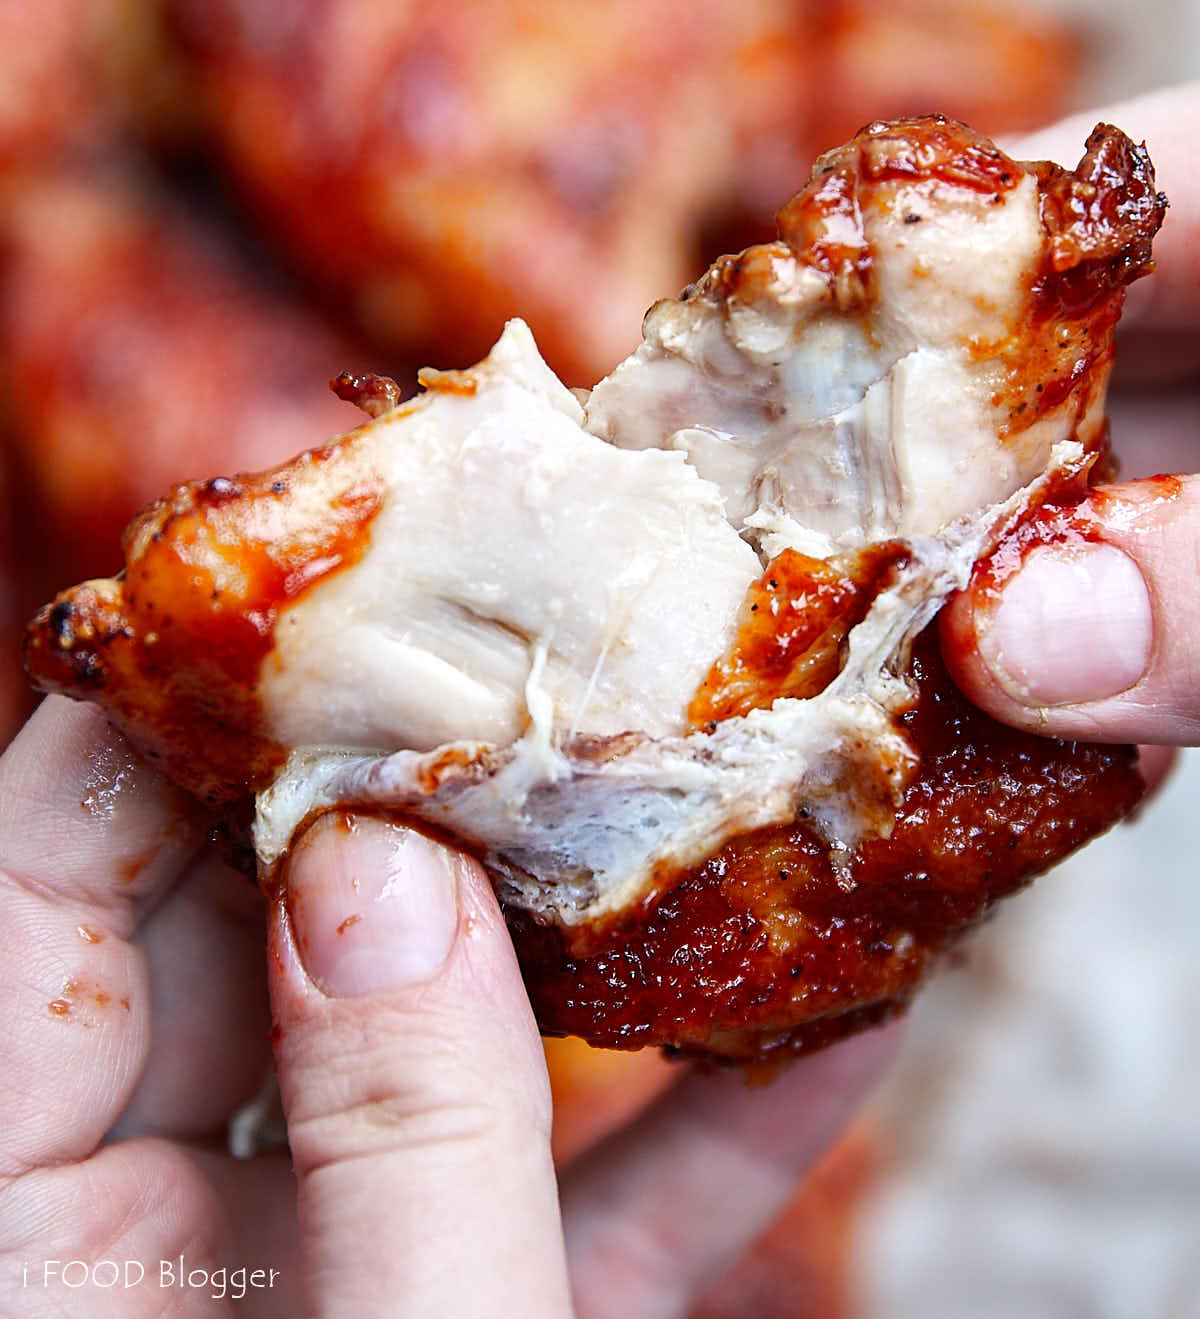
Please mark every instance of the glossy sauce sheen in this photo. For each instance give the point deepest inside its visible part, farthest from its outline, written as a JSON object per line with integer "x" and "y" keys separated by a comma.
{"x": 180, "y": 650}
{"x": 1065, "y": 522}
{"x": 792, "y": 630}
{"x": 1100, "y": 220}
{"x": 766, "y": 934}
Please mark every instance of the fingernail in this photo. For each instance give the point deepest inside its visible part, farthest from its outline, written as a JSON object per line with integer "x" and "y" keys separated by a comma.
{"x": 1073, "y": 625}
{"x": 373, "y": 905}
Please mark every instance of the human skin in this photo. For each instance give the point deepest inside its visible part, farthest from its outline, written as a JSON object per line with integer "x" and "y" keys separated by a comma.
{"x": 412, "y": 1078}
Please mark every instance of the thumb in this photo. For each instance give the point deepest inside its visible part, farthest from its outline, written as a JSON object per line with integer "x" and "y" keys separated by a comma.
{"x": 413, "y": 1082}
{"x": 1086, "y": 623}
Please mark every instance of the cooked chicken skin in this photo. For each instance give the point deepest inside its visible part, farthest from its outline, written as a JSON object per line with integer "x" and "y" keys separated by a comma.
{"x": 659, "y": 654}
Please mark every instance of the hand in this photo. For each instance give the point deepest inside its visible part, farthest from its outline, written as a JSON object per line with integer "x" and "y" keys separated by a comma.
{"x": 1102, "y": 640}
{"x": 136, "y": 1022}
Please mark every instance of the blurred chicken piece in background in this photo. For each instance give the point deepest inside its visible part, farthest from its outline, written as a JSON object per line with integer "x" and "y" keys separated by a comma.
{"x": 998, "y": 67}
{"x": 135, "y": 353}
{"x": 443, "y": 167}
{"x": 79, "y": 76}
{"x": 16, "y": 700}
{"x": 440, "y": 168}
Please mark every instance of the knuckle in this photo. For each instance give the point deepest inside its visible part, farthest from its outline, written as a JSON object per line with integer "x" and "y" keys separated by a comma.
{"x": 409, "y": 1091}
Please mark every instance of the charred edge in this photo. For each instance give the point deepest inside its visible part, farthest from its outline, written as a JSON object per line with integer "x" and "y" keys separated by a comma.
{"x": 60, "y": 655}
{"x": 219, "y": 490}
{"x": 1100, "y": 221}
{"x": 373, "y": 394}
{"x": 61, "y": 623}
{"x": 762, "y": 1059}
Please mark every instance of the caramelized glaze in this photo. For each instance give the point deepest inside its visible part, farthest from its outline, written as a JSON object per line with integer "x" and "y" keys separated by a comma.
{"x": 767, "y": 950}
{"x": 792, "y": 630}
{"x": 176, "y": 647}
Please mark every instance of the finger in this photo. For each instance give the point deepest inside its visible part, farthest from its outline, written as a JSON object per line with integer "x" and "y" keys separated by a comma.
{"x": 1096, "y": 634}
{"x": 1155, "y": 765}
{"x": 1165, "y": 120}
{"x": 1155, "y": 430}
{"x": 413, "y": 1082}
{"x": 83, "y": 819}
{"x": 183, "y": 1226}
{"x": 659, "y": 1210}
{"x": 89, "y": 837}
{"x": 210, "y": 1046}
{"x": 257, "y": 1204}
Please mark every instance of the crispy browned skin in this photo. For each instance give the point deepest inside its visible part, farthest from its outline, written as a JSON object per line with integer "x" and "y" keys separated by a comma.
{"x": 794, "y": 623}
{"x": 173, "y": 650}
{"x": 766, "y": 949}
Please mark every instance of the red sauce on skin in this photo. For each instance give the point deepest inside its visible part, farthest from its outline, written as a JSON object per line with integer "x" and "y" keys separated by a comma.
{"x": 130, "y": 870}
{"x": 1052, "y": 524}
{"x": 75, "y": 994}
{"x": 1101, "y": 219}
{"x": 1099, "y": 222}
{"x": 1083, "y": 521}
{"x": 174, "y": 651}
{"x": 934, "y": 147}
{"x": 765, "y": 951}
{"x": 794, "y": 622}
{"x": 1115, "y": 500}
{"x": 823, "y": 225}
{"x": 373, "y": 394}
{"x": 464, "y": 383}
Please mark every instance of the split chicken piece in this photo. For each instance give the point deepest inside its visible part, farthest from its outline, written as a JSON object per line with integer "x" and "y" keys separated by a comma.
{"x": 659, "y": 654}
